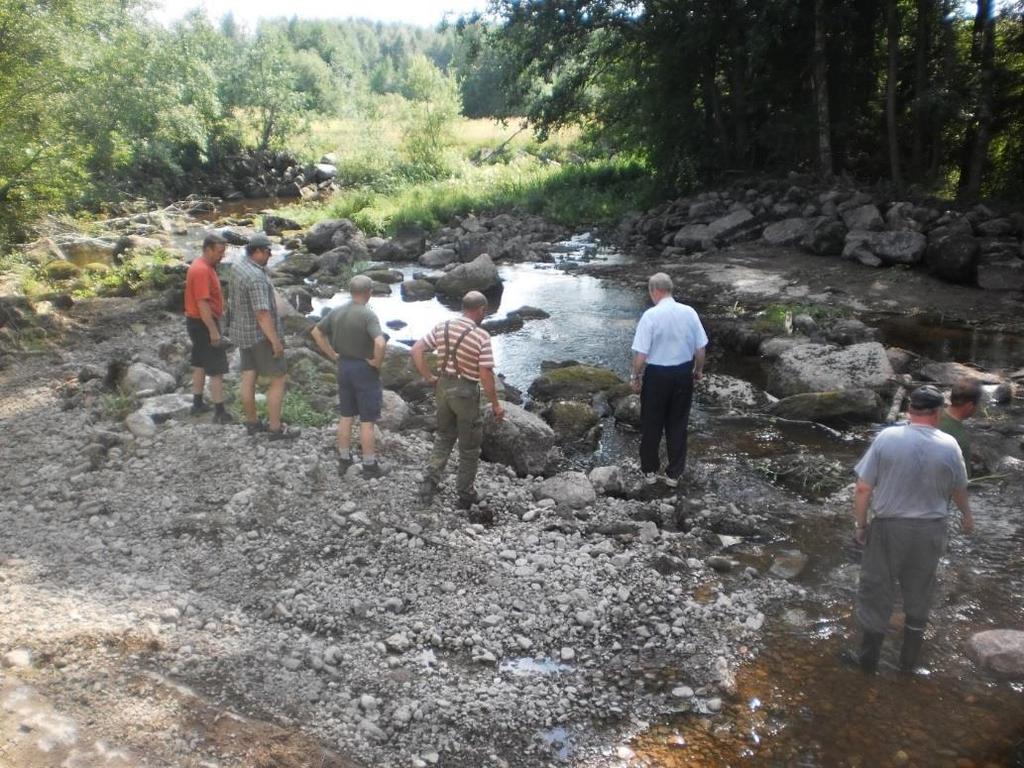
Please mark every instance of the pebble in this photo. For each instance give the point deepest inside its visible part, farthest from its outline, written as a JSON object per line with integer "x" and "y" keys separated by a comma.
{"x": 683, "y": 692}
{"x": 18, "y": 658}
{"x": 567, "y": 654}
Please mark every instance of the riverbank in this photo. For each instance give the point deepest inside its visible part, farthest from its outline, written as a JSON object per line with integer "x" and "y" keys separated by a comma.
{"x": 335, "y": 610}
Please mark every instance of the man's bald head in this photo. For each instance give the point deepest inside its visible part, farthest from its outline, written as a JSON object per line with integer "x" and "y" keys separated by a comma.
{"x": 474, "y": 306}
{"x": 360, "y": 285}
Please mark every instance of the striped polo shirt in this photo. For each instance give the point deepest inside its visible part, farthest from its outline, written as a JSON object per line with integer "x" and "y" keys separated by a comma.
{"x": 467, "y": 356}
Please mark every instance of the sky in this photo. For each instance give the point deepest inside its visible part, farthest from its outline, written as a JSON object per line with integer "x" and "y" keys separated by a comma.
{"x": 426, "y": 13}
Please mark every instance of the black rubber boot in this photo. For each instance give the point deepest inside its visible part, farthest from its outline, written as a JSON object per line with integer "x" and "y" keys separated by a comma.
{"x": 913, "y": 639}
{"x": 869, "y": 654}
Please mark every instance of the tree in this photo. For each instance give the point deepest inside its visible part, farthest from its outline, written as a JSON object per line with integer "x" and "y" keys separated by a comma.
{"x": 892, "y": 37}
{"x": 978, "y": 135}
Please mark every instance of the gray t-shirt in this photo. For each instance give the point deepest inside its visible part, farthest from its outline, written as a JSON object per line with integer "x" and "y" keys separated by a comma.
{"x": 351, "y": 329}
{"x": 913, "y": 469}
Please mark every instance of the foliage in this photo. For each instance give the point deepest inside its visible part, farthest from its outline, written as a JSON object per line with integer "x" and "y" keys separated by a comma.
{"x": 116, "y": 406}
{"x": 296, "y": 410}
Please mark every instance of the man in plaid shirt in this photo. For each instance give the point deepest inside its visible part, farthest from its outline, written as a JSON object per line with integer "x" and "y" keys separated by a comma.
{"x": 257, "y": 330}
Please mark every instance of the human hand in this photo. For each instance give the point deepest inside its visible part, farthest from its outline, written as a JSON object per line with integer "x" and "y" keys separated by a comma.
{"x": 636, "y": 385}
{"x": 698, "y": 375}
{"x": 215, "y": 339}
{"x": 967, "y": 526}
{"x": 277, "y": 348}
{"x": 861, "y": 535}
{"x": 499, "y": 413}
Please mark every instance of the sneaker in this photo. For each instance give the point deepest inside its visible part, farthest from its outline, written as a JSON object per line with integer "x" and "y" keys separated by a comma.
{"x": 373, "y": 470}
{"x": 425, "y": 493}
{"x": 650, "y": 478}
{"x": 671, "y": 482}
{"x": 284, "y": 433}
{"x": 255, "y": 427}
{"x": 343, "y": 465}
{"x": 467, "y": 500}
{"x": 223, "y": 417}
{"x": 200, "y": 408}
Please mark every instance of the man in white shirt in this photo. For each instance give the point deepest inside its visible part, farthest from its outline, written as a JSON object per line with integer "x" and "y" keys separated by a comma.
{"x": 668, "y": 357}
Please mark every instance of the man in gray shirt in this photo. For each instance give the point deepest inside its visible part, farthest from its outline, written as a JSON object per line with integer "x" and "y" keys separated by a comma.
{"x": 351, "y": 336}
{"x": 907, "y": 478}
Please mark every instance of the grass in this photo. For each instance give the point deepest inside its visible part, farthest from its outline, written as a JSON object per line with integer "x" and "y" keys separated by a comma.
{"x": 296, "y": 410}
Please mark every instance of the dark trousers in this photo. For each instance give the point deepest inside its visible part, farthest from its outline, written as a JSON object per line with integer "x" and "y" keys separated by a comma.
{"x": 665, "y": 400}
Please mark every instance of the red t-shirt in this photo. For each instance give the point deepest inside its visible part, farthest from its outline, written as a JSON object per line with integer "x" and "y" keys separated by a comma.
{"x": 202, "y": 283}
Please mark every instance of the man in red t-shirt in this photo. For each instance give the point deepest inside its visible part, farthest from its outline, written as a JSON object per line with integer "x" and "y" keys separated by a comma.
{"x": 204, "y": 305}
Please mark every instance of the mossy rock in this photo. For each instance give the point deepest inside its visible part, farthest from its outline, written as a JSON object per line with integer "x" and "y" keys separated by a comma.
{"x": 571, "y": 420}
{"x": 61, "y": 270}
{"x": 775, "y": 320}
{"x": 578, "y": 382}
{"x": 96, "y": 268}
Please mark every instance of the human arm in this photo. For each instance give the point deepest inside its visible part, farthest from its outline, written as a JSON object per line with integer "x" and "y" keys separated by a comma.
{"x": 964, "y": 505}
{"x": 266, "y": 324}
{"x": 637, "y": 371}
{"x": 206, "y": 314}
{"x": 861, "y": 503}
{"x": 698, "y": 363}
{"x": 419, "y": 351}
{"x": 491, "y": 390}
{"x": 379, "y": 345}
{"x": 321, "y": 341}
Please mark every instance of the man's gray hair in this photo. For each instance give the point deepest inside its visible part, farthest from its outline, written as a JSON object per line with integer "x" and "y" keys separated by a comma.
{"x": 660, "y": 282}
{"x": 473, "y": 300}
{"x": 360, "y": 285}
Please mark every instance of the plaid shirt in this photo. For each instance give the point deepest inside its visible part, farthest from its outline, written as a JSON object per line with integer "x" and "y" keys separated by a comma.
{"x": 250, "y": 291}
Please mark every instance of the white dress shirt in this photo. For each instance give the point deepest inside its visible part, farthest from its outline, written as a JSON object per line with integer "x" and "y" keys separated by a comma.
{"x": 669, "y": 333}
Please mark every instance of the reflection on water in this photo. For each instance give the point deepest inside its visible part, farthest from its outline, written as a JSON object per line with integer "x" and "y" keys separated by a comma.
{"x": 931, "y": 337}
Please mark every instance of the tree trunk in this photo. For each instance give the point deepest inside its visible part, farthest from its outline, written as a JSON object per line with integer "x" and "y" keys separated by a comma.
{"x": 922, "y": 110}
{"x": 947, "y": 41}
{"x": 893, "y": 40}
{"x": 976, "y": 146}
{"x": 825, "y": 167}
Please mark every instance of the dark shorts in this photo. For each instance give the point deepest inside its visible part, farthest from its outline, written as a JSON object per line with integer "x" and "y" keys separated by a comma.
{"x": 213, "y": 360}
{"x": 260, "y": 358}
{"x": 359, "y": 390}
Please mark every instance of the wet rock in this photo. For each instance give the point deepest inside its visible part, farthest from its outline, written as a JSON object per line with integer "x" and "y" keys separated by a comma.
{"x": 498, "y": 325}
{"x": 720, "y": 563}
{"x": 848, "y": 405}
{"x": 864, "y": 217}
{"x": 849, "y": 331}
{"x": 275, "y": 225}
{"x": 302, "y": 265}
{"x": 1000, "y": 651}
{"x": 417, "y": 290}
{"x": 775, "y": 346}
{"x": 438, "y": 257}
{"x": 821, "y": 368}
{"x": 953, "y": 258}
{"x": 530, "y": 313}
{"x": 1001, "y": 274}
{"x": 947, "y": 374}
{"x": 141, "y": 378}
{"x": 1004, "y": 393}
{"x": 627, "y": 411}
{"x": 329, "y": 234}
{"x": 521, "y": 440}
{"x": 788, "y": 564}
{"x": 788, "y": 232}
{"x": 478, "y": 275}
{"x": 571, "y": 420}
{"x": 729, "y": 391}
{"x": 606, "y": 479}
{"x": 577, "y": 382}
{"x": 692, "y": 237}
{"x": 386, "y": 276}
{"x": 570, "y": 489}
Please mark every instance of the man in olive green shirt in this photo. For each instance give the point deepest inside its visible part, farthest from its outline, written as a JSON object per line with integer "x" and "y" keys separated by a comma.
{"x": 351, "y": 336}
{"x": 963, "y": 402}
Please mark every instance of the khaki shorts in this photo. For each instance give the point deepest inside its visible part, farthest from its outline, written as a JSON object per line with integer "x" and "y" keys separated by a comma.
{"x": 260, "y": 358}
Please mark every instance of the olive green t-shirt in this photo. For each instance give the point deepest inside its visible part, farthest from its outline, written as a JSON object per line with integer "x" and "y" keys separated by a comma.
{"x": 351, "y": 329}
{"x": 955, "y": 428}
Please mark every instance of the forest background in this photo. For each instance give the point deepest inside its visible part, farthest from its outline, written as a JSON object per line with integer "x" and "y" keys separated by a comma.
{"x": 578, "y": 109}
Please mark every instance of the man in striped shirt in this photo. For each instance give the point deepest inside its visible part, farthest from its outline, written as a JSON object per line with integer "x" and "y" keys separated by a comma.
{"x": 466, "y": 363}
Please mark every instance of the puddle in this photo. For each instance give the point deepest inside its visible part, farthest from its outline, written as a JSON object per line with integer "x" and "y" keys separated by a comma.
{"x": 558, "y": 742}
{"x": 527, "y": 666}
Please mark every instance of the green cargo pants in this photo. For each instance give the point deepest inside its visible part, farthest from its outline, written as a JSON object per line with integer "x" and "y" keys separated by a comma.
{"x": 458, "y": 418}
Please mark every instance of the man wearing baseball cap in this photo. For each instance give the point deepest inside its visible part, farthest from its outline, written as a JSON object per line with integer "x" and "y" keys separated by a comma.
{"x": 906, "y": 478}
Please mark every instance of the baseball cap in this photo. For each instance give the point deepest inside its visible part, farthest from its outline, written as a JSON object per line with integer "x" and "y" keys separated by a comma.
{"x": 259, "y": 240}
{"x": 926, "y": 398}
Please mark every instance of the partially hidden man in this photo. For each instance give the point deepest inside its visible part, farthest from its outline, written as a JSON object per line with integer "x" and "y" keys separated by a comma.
{"x": 351, "y": 336}
{"x": 466, "y": 364}
{"x": 204, "y": 307}
{"x": 668, "y": 357}
{"x": 907, "y": 477}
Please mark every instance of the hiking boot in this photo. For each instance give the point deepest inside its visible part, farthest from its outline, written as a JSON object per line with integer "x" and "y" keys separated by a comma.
{"x": 482, "y": 514}
{"x": 373, "y": 470}
{"x": 284, "y": 433}
{"x": 255, "y": 427}
{"x": 870, "y": 652}
{"x": 343, "y": 465}
{"x": 467, "y": 500}
{"x": 200, "y": 408}
{"x": 913, "y": 639}
{"x": 425, "y": 493}
{"x": 223, "y": 417}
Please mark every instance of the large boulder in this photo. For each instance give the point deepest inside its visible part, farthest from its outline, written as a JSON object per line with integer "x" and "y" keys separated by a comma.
{"x": 154, "y": 410}
{"x": 823, "y": 368}
{"x": 953, "y": 258}
{"x": 826, "y": 238}
{"x": 728, "y": 391}
{"x": 417, "y": 290}
{"x": 730, "y": 224}
{"x": 521, "y": 440}
{"x": 410, "y": 239}
{"x": 692, "y": 237}
{"x": 569, "y": 489}
{"x": 627, "y": 411}
{"x": 142, "y": 379}
{"x": 277, "y": 225}
{"x": 1000, "y": 651}
{"x": 438, "y": 257}
{"x": 136, "y": 243}
{"x": 606, "y": 479}
{"x": 577, "y": 382}
{"x": 478, "y": 275}
{"x": 397, "y": 370}
{"x": 949, "y": 373}
{"x": 331, "y": 233}
{"x": 875, "y": 248}
{"x": 394, "y": 412}
{"x": 788, "y": 231}
{"x": 571, "y": 420}
{"x": 1001, "y": 274}
{"x": 846, "y": 405}
{"x": 866, "y": 217}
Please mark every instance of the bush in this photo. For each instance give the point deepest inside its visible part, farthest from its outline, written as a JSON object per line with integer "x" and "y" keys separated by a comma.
{"x": 61, "y": 270}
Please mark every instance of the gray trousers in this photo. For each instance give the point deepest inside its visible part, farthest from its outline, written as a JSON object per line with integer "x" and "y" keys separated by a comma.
{"x": 458, "y": 419}
{"x": 900, "y": 551}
